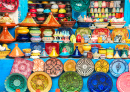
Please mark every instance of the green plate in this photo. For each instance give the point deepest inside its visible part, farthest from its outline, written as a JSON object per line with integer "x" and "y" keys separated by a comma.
{"x": 70, "y": 82}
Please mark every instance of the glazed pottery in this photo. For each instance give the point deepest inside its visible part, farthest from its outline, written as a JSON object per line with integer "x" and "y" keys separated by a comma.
{"x": 38, "y": 65}
{"x": 103, "y": 4}
{"x": 89, "y": 55}
{"x": 118, "y": 51}
{"x": 45, "y": 2}
{"x": 53, "y": 53}
{"x": 3, "y": 54}
{"x": 95, "y": 4}
{"x": 54, "y": 6}
{"x": 116, "y": 55}
{"x": 70, "y": 65}
{"x": 52, "y": 2}
{"x": 54, "y": 10}
{"x": 124, "y": 56}
{"x": 35, "y": 39}
{"x": 85, "y": 67}
{"x": 76, "y": 53}
{"x": 110, "y": 52}
{"x": 47, "y": 33}
{"x": 124, "y": 51}
{"x": 23, "y": 38}
{"x": 16, "y": 81}
{"x": 94, "y": 49}
{"x": 99, "y": 82}
{"x": 33, "y": 10}
{"x": 102, "y": 51}
{"x": 86, "y": 48}
{"x": 96, "y": 55}
{"x": 72, "y": 79}
{"x": 27, "y": 52}
{"x": 64, "y": 53}
{"x": 78, "y": 38}
{"x": 16, "y": 52}
{"x": 44, "y": 54}
{"x": 40, "y": 10}
{"x": 34, "y": 31}
{"x": 22, "y": 30}
{"x": 61, "y": 15}
{"x": 39, "y": 80}
{"x": 62, "y": 10}
{"x": 57, "y": 67}
{"x": 47, "y": 6}
{"x": 61, "y": 6}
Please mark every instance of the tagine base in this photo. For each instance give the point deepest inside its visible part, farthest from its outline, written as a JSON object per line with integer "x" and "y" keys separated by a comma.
{"x": 28, "y": 25}
{"x": 8, "y": 25}
{"x": 7, "y": 40}
{"x": 51, "y": 25}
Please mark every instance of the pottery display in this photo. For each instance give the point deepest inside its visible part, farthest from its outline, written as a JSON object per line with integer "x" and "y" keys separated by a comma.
{"x": 35, "y": 54}
{"x": 70, "y": 65}
{"x": 53, "y": 53}
{"x": 44, "y": 54}
{"x": 77, "y": 53}
{"x": 27, "y": 53}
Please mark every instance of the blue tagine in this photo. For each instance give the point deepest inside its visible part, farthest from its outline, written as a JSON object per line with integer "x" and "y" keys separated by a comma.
{"x": 44, "y": 54}
{"x": 76, "y": 53}
{"x": 99, "y": 82}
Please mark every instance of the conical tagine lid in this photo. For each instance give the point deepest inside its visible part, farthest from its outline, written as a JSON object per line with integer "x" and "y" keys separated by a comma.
{"x": 28, "y": 21}
{"x": 53, "y": 53}
{"x": 51, "y": 21}
{"x": 16, "y": 52}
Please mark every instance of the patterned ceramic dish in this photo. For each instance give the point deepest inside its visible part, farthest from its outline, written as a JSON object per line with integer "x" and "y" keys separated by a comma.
{"x": 70, "y": 65}
{"x": 3, "y": 54}
{"x": 16, "y": 81}
{"x": 117, "y": 24}
{"x": 101, "y": 24}
{"x": 39, "y": 80}
{"x": 33, "y": 39}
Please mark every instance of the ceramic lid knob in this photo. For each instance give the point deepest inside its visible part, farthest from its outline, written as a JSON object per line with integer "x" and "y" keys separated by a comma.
{"x": 5, "y": 28}
{"x": 16, "y": 44}
{"x": 50, "y": 13}
{"x": 28, "y": 14}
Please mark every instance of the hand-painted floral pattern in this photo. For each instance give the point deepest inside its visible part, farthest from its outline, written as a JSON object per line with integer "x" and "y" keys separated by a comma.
{"x": 38, "y": 65}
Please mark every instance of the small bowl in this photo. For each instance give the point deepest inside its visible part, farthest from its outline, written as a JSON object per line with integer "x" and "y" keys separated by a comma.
{"x": 54, "y": 10}
{"x": 84, "y": 24}
{"x": 54, "y": 6}
{"x": 61, "y": 5}
{"x": 33, "y": 10}
{"x": 47, "y": 6}
{"x": 47, "y": 11}
{"x": 3, "y": 54}
{"x": 33, "y": 14}
{"x": 33, "y": 39}
{"x": 62, "y": 10}
{"x": 118, "y": 24}
{"x": 56, "y": 18}
{"x": 45, "y": 2}
{"x": 101, "y": 24}
{"x": 39, "y": 10}
{"x": 52, "y": 2}
{"x": 27, "y": 50}
{"x": 61, "y": 15}
{"x": 40, "y": 18}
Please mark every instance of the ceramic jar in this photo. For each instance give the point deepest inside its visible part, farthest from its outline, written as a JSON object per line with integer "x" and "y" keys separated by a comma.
{"x": 110, "y": 53}
{"x": 87, "y": 47}
{"x": 102, "y": 51}
{"x": 35, "y": 31}
{"x": 47, "y": 33}
{"x": 94, "y": 49}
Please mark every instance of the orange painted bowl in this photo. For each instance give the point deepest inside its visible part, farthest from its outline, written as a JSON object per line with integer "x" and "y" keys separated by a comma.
{"x": 3, "y": 54}
{"x": 26, "y": 50}
{"x": 68, "y": 23}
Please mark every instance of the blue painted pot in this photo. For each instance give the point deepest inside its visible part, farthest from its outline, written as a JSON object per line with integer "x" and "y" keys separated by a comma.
{"x": 23, "y": 38}
{"x": 94, "y": 49}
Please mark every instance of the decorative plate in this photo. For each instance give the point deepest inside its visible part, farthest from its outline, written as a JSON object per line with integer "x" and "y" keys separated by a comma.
{"x": 80, "y": 47}
{"x": 53, "y": 67}
{"x": 50, "y": 46}
{"x": 69, "y": 47}
{"x": 122, "y": 46}
{"x": 22, "y": 66}
{"x": 101, "y": 31}
{"x": 102, "y": 66}
{"x": 70, "y": 65}
{"x": 83, "y": 31}
{"x": 123, "y": 82}
{"x": 122, "y": 31}
{"x": 16, "y": 81}
{"x": 37, "y": 46}
{"x": 38, "y": 65}
{"x": 70, "y": 82}
{"x": 39, "y": 80}
{"x": 96, "y": 45}
{"x": 118, "y": 66}
{"x": 99, "y": 82}
{"x": 85, "y": 67}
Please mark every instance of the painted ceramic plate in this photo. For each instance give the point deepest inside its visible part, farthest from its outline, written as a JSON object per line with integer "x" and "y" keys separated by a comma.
{"x": 39, "y": 80}
{"x": 123, "y": 82}
{"x": 102, "y": 66}
{"x": 101, "y": 31}
{"x": 16, "y": 81}
{"x": 99, "y": 82}
{"x": 122, "y": 46}
{"x": 118, "y": 66}
{"x": 70, "y": 65}
{"x": 38, "y": 65}
{"x": 85, "y": 67}
{"x": 53, "y": 67}
{"x": 37, "y": 46}
{"x": 50, "y": 46}
{"x": 80, "y": 47}
{"x": 69, "y": 47}
{"x": 122, "y": 31}
{"x": 70, "y": 82}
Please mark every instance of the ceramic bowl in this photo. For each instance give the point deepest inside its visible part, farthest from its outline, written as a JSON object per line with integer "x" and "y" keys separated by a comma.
{"x": 30, "y": 2}
{"x": 101, "y": 24}
{"x": 45, "y": 2}
{"x": 35, "y": 33}
{"x": 69, "y": 24}
{"x": 47, "y": 11}
{"x": 84, "y": 24}
{"x": 61, "y": 5}
{"x": 110, "y": 27}
{"x": 47, "y": 39}
{"x": 47, "y": 6}
{"x": 27, "y": 50}
{"x": 118, "y": 24}
{"x": 23, "y": 30}
{"x": 61, "y": 15}
{"x": 33, "y": 39}
{"x": 55, "y": 6}
{"x": 40, "y": 18}
{"x": 33, "y": 10}
{"x": 62, "y": 10}
{"x": 3, "y": 54}
{"x": 40, "y": 9}
{"x": 33, "y": 14}
{"x": 52, "y": 2}
{"x": 54, "y": 10}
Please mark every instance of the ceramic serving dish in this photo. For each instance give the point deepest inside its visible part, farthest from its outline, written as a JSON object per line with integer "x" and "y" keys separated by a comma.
{"x": 54, "y": 10}
{"x": 40, "y": 10}
{"x": 3, "y": 54}
{"x": 33, "y": 10}
{"x": 61, "y": 15}
{"x": 101, "y": 24}
{"x": 117, "y": 24}
{"x": 61, "y": 5}
{"x": 70, "y": 65}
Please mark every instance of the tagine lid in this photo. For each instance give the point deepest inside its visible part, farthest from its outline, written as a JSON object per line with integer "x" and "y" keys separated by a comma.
{"x": 51, "y": 21}
{"x": 5, "y": 36}
{"x": 99, "y": 82}
{"x": 28, "y": 21}
{"x": 64, "y": 52}
{"x": 70, "y": 65}
{"x": 118, "y": 66}
{"x": 85, "y": 67}
{"x": 39, "y": 80}
{"x": 102, "y": 66}
{"x": 7, "y": 21}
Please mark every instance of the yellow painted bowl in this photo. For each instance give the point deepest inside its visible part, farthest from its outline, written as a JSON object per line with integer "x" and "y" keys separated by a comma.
{"x": 23, "y": 30}
{"x": 3, "y": 54}
{"x": 102, "y": 51}
{"x": 54, "y": 10}
{"x": 87, "y": 47}
{"x": 45, "y": 2}
{"x": 26, "y": 50}
{"x": 110, "y": 27}
{"x": 35, "y": 54}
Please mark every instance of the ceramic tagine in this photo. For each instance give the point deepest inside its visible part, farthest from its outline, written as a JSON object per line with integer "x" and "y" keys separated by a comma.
{"x": 96, "y": 55}
{"x": 44, "y": 54}
{"x": 53, "y": 53}
{"x": 28, "y": 21}
{"x": 124, "y": 56}
{"x": 76, "y": 53}
{"x": 64, "y": 53}
{"x": 5, "y": 36}
{"x": 117, "y": 55}
{"x": 35, "y": 54}
{"x": 7, "y": 21}
{"x": 51, "y": 21}
{"x": 16, "y": 52}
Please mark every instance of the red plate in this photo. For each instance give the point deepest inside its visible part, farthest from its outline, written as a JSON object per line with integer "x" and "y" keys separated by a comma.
{"x": 123, "y": 82}
{"x": 100, "y": 31}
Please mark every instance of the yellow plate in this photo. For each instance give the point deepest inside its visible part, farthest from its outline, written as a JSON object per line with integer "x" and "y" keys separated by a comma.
{"x": 70, "y": 65}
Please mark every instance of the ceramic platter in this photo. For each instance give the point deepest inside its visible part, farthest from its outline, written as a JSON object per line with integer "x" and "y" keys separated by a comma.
{"x": 53, "y": 67}
{"x": 83, "y": 31}
{"x": 123, "y": 82}
{"x": 122, "y": 46}
{"x": 101, "y": 31}
{"x": 80, "y": 47}
{"x": 69, "y": 47}
{"x": 39, "y": 80}
{"x": 102, "y": 66}
{"x": 70, "y": 82}
{"x": 38, "y": 65}
{"x": 16, "y": 81}
{"x": 122, "y": 31}
{"x": 70, "y": 65}
{"x": 85, "y": 67}
{"x": 99, "y": 82}
{"x": 118, "y": 66}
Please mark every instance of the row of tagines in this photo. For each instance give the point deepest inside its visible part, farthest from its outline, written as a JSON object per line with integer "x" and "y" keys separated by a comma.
{"x": 40, "y": 80}
{"x": 65, "y": 50}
